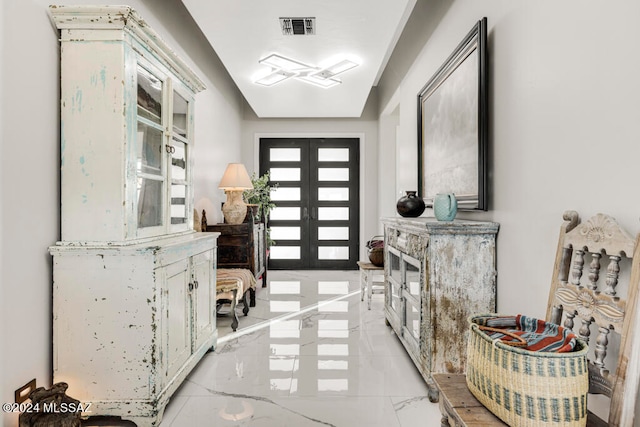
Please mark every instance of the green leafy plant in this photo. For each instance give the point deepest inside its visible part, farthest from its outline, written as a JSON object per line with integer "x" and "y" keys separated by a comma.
{"x": 260, "y": 195}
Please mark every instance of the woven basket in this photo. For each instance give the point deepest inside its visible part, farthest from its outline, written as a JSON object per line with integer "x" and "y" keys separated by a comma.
{"x": 527, "y": 388}
{"x": 376, "y": 254}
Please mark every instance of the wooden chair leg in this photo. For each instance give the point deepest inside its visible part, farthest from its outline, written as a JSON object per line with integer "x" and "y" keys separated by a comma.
{"x": 245, "y": 303}
{"x": 234, "y": 322}
{"x": 252, "y": 302}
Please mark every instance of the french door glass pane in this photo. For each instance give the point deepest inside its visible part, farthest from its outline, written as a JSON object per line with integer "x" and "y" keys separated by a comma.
{"x": 178, "y": 204}
{"x": 284, "y": 174}
{"x": 150, "y": 206}
{"x": 149, "y": 150}
{"x": 281, "y": 213}
{"x": 333, "y": 194}
{"x": 285, "y": 252}
{"x": 284, "y": 154}
{"x": 179, "y": 161}
{"x": 149, "y": 96}
{"x": 333, "y": 154}
{"x": 285, "y": 194}
{"x": 333, "y": 233}
{"x": 333, "y": 214}
{"x": 333, "y": 174}
{"x": 285, "y": 233}
{"x": 333, "y": 252}
{"x": 180, "y": 109}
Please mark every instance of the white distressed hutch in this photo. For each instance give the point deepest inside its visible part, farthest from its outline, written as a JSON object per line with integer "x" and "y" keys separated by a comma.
{"x": 134, "y": 285}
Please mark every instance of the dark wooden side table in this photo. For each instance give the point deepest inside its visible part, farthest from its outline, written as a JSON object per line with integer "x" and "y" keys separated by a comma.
{"x": 243, "y": 246}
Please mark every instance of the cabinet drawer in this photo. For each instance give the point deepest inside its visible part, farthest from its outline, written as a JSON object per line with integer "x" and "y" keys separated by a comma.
{"x": 406, "y": 242}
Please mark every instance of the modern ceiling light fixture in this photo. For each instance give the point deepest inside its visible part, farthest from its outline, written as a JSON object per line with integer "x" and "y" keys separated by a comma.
{"x": 283, "y": 68}
{"x": 335, "y": 69}
{"x": 274, "y": 77}
{"x": 318, "y": 81}
{"x": 277, "y": 61}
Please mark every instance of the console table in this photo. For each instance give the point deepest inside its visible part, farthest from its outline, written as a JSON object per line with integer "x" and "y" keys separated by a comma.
{"x": 436, "y": 275}
{"x": 243, "y": 246}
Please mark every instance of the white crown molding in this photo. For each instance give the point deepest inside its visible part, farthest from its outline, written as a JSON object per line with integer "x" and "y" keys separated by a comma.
{"x": 75, "y": 22}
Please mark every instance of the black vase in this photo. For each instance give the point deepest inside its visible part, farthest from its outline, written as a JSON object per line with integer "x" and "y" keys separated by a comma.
{"x": 410, "y": 206}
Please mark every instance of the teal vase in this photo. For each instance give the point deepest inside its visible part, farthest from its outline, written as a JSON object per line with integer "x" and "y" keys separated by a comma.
{"x": 445, "y": 206}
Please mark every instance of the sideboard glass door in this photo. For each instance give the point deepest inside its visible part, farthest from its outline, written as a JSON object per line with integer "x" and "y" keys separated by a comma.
{"x": 411, "y": 295}
{"x": 394, "y": 283}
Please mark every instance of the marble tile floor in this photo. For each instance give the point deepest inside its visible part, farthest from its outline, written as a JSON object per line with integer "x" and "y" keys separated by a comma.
{"x": 309, "y": 354}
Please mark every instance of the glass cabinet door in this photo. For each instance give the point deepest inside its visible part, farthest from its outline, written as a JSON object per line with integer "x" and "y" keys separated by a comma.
{"x": 179, "y": 167}
{"x": 162, "y": 163}
{"x": 412, "y": 323}
{"x": 394, "y": 265}
{"x": 412, "y": 277}
{"x": 394, "y": 283}
{"x": 149, "y": 96}
{"x": 150, "y": 168}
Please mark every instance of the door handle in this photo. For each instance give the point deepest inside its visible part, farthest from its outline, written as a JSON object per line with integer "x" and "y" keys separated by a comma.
{"x": 305, "y": 213}
{"x": 313, "y": 213}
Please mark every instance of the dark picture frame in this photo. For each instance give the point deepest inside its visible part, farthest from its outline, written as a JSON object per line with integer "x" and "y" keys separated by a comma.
{"x": 453, "y": 125}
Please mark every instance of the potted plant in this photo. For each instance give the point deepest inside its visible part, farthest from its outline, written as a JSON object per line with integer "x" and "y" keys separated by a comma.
{"x": 260, "y": 195}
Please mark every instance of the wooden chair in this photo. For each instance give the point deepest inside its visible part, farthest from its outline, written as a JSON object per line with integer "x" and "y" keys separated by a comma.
{"x": 584, "y": 301}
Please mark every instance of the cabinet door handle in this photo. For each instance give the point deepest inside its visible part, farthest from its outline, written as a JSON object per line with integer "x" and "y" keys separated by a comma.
{"x": 170, "y": 149}
{"x": 190, "y": 287}
{"x": 196, "y": 284}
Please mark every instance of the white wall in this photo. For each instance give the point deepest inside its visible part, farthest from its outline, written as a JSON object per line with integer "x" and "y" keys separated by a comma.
{"x": 365, "y": 127}
{"x": 29, "y": 175}
{"x": 564, "y": 127}
{"x": 563, "y": 123}
{"x": 389, "y": 126}
{"x": 2, "y": 293}
{"x": 30, "y": 193}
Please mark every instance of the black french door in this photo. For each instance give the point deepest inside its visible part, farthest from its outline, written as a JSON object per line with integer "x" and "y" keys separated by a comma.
{"x": 315, "y": 224}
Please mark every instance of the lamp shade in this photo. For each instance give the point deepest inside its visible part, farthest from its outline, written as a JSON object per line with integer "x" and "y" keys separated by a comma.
{"x": 235, "y": 178}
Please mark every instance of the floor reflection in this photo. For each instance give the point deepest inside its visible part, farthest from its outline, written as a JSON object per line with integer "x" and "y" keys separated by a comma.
{"x": 309, "y": 354}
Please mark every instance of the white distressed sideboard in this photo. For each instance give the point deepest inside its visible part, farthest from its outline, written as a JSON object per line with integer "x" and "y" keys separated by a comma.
{"x": 133, "y": 283}
{"x": 131, "y": 321}
{"x": 436, "y": 275}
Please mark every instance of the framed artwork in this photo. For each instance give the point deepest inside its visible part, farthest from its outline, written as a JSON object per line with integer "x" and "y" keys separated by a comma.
{"x": 452, "y": 126}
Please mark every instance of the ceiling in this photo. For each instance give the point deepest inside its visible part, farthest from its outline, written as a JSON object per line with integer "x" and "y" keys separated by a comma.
{"x": 244, "y": 31}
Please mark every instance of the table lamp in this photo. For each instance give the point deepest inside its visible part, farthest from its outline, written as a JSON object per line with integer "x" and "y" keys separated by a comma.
{"x": 234, "y": 181}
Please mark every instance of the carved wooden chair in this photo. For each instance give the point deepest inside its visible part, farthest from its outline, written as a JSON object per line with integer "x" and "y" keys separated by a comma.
{"x": 600, "y": 306}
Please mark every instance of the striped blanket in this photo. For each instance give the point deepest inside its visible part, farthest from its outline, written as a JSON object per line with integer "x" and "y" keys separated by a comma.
{"x": 539, "y": 335}
{"x": 226, "y": 275}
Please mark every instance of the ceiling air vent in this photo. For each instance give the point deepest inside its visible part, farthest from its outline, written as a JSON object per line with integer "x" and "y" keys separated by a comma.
{"x": 298, "y": 26}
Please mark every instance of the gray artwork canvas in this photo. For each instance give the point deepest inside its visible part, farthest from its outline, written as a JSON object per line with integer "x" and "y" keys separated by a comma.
{"x": 450, "y": 134}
